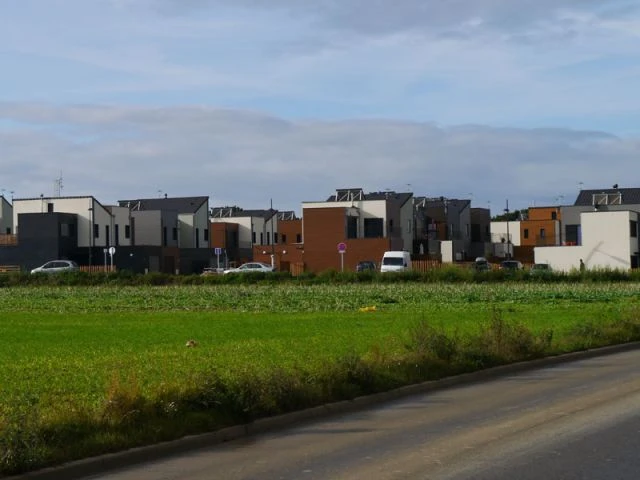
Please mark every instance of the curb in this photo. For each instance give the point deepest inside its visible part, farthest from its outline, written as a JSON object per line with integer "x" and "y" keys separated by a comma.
{"x": 96, "y": 465}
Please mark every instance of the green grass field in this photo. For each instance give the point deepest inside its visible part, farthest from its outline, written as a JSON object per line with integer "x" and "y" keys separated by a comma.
{"x": 68, "y": 353}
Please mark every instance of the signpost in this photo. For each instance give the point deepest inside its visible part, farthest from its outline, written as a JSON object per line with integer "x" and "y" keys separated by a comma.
{"x": 342, "y": 247}
{"x": 218, "y": 251}
{"x": 112, "y": 251}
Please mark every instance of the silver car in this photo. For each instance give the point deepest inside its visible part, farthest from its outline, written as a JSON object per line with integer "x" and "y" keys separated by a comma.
{"x": 250, "y": 267}
{"x": 57, "y": 266}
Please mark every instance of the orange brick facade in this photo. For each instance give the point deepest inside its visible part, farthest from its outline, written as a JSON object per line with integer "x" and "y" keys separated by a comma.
{"x": 541, "y": 228}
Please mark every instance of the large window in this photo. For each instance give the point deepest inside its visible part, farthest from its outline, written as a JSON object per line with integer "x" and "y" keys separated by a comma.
{"x": 373, "y": 228}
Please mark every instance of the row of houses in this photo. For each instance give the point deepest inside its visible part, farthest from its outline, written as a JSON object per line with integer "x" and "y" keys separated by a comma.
{"x": 185, "y": 235}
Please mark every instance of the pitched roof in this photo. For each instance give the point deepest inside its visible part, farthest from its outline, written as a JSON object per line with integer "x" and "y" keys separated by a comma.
{"x": 176, "y": 204}
{"x": 618, "y": 196}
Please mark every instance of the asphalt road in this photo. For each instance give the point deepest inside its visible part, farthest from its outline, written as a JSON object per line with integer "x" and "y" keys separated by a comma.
{"x": 572, "y": 421}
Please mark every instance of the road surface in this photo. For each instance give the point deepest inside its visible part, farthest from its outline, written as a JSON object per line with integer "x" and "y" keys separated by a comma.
{"x": 577, "y": 420}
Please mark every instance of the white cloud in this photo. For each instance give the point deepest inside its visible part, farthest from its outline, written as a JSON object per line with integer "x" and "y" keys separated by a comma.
{"x": 246, "y": 158}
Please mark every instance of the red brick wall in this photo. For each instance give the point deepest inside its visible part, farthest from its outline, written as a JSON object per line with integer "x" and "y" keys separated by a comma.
{"x": 324, "y": 228}
{"x": 218, "y": 233}
{"x": 290, "y": 228}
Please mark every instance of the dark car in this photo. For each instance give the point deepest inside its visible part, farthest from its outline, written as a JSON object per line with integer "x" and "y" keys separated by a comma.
{"x": 511, "y": 265}
{"x": 365, "y": 266}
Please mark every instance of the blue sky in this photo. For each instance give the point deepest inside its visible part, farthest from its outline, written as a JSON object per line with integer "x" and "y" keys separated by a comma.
{"x": 248, "y": 100}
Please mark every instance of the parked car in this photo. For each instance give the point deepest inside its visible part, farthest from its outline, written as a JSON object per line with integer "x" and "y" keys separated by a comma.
{"x": 511, "y": 265}
{"x": 540, "y": 269}
{"x": 481, "y": 264}
{"x": 251, "y": 267}
{"x": 57, "y": 266}
{"x": 367, "y": 265}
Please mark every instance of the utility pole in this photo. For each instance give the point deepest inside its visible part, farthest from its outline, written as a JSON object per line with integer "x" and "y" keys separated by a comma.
{"x": 506, "y": 210}
{"x": 273, "y": 237}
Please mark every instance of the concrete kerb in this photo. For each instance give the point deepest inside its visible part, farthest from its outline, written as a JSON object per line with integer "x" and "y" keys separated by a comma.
{"x": 113, "y": 461}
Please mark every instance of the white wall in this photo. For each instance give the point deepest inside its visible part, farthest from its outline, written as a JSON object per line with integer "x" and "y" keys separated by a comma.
{"x": 606, "y": 243}
{"x": 446, "y": 250}
{"x": 500, "y": 229}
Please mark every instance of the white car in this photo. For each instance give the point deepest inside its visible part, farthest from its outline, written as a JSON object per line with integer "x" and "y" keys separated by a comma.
{"x": 250, "y": 268}
{"x": 57, "y": 266}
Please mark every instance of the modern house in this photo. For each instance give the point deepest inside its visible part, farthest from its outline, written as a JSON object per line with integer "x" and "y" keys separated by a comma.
{"x": 238, "y": 231}
{"x": 600, "y": 200}
{"x": 609, "y": 239}
{"x": 443, "y": 228}
{"x": 362, "y": 225}
{"x": 542, "y": 227}
{"x": 181, "y": 222}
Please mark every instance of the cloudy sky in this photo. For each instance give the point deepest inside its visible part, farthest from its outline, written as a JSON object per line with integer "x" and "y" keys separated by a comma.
{"x": 249, "y": 100}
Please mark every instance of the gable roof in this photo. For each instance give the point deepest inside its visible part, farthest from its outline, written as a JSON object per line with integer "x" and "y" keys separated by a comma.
{"x": 617, "y": 196}
{"x": 176, "y": 204}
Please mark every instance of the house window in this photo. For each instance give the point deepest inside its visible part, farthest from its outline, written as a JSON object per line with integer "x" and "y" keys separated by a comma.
{"x": 261, "y": 238}
{"x": 554, "y": 215}
{"x": 352, "y": 227}
{"x": 8, "y": 230}
{"x": 164, "y": 236}
{"x": 49, "y": 207}
{"x": 298, "y": 238}
{"x": 633, "y": 228}
{"x": 116, "y": 233}
{"x": 107, "y": 237}
{"x": 206, "y": 234}
{"x": 268, "y": 238}
{"x": 127, "y": 231}
{"x": 526, "y": 233}
{"x": 543, "y": 234}
{"x": 373, "y": 228}
{"x": 96, "y": 231}
{"x": 284, "y": 238}
{"x": 174, "y": 233}
{"x": 253, "y": 237}
{"x": 275, "y": 237}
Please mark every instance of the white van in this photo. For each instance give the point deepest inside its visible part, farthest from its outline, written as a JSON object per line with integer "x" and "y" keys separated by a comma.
{"x": 395, "y": 261}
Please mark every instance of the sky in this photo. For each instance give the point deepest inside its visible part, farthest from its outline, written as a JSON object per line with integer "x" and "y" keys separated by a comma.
{"x": 285, "y": 101}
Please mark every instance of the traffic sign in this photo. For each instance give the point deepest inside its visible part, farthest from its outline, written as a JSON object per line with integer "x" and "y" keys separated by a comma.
{"x": 217, "y": 251}
{"x": 342, "y": 247}
{"x": 112, "y": 250}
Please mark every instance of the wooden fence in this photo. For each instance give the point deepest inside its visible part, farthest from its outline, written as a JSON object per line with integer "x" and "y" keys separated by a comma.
{"x": 8, "y": 240}
{"x": 9, "y": 268}
{"x": 97, "y": 268}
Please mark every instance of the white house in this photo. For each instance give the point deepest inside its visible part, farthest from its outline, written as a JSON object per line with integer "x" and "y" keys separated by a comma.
{"x": 609, "y": 240}
{"x": 97, "y": 226}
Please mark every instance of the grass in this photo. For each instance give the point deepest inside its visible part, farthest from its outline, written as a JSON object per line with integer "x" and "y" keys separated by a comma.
{"x": 85, "y": 370}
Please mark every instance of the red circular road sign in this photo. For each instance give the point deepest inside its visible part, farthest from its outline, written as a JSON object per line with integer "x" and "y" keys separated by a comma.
{"x": 342, "y": 247}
